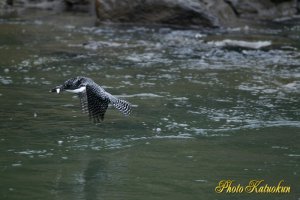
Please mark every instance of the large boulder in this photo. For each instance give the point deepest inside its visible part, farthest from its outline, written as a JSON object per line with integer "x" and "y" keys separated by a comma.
{"x": 176, "y": 12}
{"x": 211, "y": 13}
{"x": 264, "y": 10}
{"x": 46, "y": 4}
{"x": 194, "y": 12}
{"x": 57, "y": 5}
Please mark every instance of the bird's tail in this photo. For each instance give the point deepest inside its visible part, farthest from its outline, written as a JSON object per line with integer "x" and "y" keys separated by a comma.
{"x": 122, "y": 106}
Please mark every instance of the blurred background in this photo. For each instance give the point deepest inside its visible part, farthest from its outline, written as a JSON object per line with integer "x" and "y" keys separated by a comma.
{"x": 215, "y": 86}
{"x": 214, "y": 13}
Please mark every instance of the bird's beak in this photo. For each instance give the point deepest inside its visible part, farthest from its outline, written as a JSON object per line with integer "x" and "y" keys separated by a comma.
{"x": 57, "y": 89}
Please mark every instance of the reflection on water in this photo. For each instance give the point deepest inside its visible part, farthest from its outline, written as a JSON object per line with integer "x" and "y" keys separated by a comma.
{"x": 202, "y": 112}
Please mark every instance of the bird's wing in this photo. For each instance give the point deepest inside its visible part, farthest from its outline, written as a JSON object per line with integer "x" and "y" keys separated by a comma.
{"x": 83, "y": 101}
{"x": 96, "y": 103}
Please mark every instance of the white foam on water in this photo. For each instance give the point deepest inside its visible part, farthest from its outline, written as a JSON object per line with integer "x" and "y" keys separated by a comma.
{"x": 28, "y": 152}
{"x": 241, "y": 43}
{"x": 279, "y": 147}
{"x": 180, "y": 136}
{"x": 140, "y": 95}
{"x": 292, "y": 87}
{"x": 293, "y": 155}
{"x": 201, "y": 180}
{"x": 5, "y": 80}
{"x": 16, "y": 165}
{"x": 181, "y": 98}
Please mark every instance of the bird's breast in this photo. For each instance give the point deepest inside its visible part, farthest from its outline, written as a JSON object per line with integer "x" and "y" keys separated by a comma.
{"x": 78, "y": 90}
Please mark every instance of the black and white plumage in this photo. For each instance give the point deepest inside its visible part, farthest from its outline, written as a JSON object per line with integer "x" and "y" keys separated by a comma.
{"x": 93, "y": 98}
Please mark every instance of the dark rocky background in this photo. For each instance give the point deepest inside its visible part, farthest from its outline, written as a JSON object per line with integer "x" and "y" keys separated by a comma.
{"x": 208, "y": 13}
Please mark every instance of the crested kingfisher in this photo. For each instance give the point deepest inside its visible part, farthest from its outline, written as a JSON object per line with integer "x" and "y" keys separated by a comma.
{"x": 93, "y": 98}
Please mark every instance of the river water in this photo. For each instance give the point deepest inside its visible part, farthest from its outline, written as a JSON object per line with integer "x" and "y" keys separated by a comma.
{"x": 204, "y": 111}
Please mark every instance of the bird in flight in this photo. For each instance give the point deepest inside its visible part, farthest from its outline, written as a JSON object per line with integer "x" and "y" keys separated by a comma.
{"x": 93, "y": 98}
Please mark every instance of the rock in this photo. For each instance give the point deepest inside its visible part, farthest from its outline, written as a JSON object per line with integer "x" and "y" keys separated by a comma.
{"x": 79, "y": 5}
{"x": 176, "y": 12}
{"x": 209, "y": 13}
{"x": 44, "y": 4}
{"x": 57, "y": 5}
{"x": 264, "y": 10}
{"x": 194, "y": 12}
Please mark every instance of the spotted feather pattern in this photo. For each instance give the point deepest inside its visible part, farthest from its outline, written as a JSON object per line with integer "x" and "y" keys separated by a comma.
{"x": 97, "y": 103}
{"x": 83, "y": 102}
{"x": 123, "y": 106}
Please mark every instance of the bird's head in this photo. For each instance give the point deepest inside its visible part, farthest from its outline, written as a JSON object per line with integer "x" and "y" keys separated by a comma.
{"x": 74, "y": 85}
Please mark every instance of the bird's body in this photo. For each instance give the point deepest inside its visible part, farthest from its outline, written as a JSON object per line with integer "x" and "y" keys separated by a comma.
{"x": 93, "y": 98}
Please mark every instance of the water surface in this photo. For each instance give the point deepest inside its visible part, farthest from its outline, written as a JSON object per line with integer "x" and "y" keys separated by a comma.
{"x": 202, "y": 113}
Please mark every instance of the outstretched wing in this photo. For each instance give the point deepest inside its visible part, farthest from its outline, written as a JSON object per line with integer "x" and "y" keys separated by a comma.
{"x": 94, "y": 103}
{"x": 83, "y": 101}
